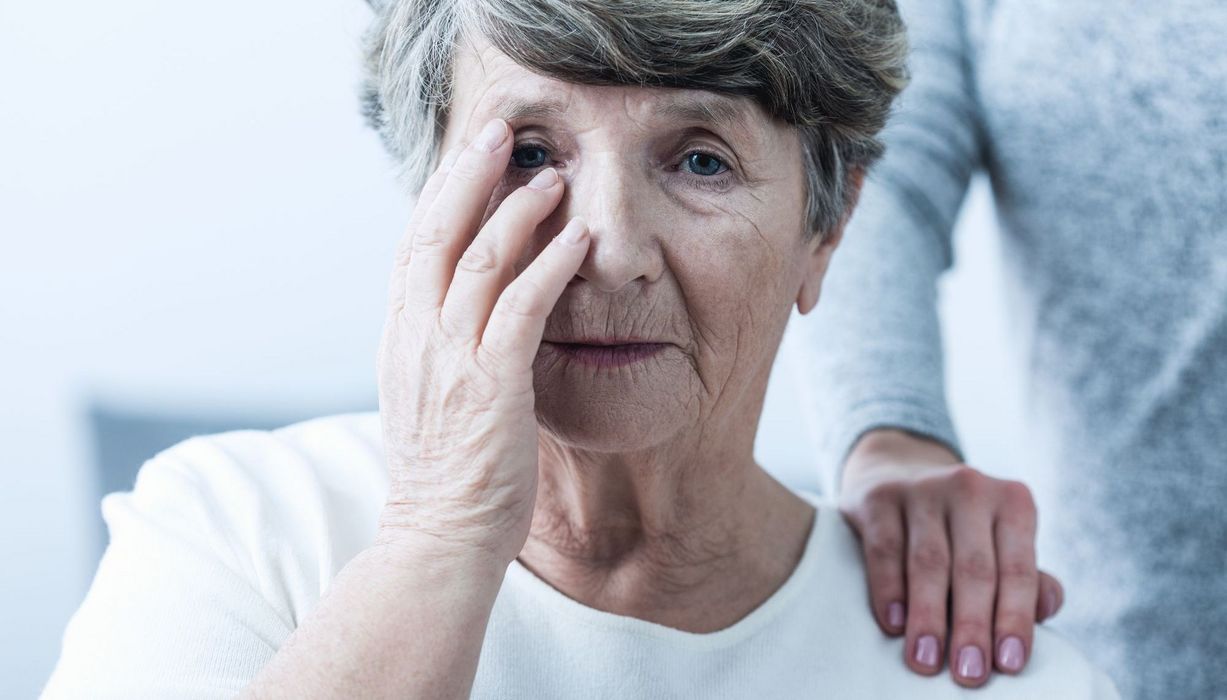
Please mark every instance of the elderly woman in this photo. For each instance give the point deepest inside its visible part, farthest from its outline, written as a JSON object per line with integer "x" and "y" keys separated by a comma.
{"x": 558, "y": 496}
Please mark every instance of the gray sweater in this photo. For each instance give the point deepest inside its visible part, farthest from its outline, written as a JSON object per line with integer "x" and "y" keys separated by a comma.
{"x": 1102, "y": 125}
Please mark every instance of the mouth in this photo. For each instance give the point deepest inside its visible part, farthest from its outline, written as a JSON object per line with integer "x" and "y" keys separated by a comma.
{"x": 606, "y": 353}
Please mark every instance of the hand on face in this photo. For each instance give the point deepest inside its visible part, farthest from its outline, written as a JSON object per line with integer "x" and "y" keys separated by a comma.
{"x": 455, "y": 361}
{"x": 950, "y": 556}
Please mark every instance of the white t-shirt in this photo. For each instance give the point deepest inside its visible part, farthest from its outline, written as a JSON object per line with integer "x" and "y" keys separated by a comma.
{"x": 227, "y": 541}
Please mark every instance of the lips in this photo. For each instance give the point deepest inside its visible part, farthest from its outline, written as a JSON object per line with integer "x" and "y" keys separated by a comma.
{"x": 597, "y": 340}
{"x": 604, "y": 352}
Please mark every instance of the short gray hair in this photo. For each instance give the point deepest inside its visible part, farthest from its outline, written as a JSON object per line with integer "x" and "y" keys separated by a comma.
{"x": 831, "y": 68}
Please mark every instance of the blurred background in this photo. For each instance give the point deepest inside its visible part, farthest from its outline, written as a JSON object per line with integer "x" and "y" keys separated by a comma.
{"x": 197, "y": 231}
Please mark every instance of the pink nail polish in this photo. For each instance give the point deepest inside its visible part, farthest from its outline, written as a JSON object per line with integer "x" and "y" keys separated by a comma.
{"x": 895, "y": 615}
{"x": 971, "y": 662}
{"x": 1010, "y": 654}
{"x": 926, "y": 651}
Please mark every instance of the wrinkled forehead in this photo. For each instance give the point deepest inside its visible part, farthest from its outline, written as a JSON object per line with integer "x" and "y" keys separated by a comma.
{"x": 488, "y": 84}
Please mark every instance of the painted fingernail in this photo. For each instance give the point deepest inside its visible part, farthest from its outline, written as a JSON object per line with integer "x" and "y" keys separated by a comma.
{"x": 544, "y": 179}
{"x": 574, "y": 232}
{"x": 492, "y": 136}
{"x": 971, "y": 662}
{"x": 1010, "y": 654}
{"x": 895, "y": 615}
{"x": 926, "y": 650}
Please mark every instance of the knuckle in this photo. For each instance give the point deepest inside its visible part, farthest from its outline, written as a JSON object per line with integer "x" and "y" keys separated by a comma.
{"x": 928, "y": 615}
{"x": 1017, "y": 496}
{"x": 929, "y": 558}
{"x": 970, "y": 627}
{"x": 1018, "y": 572}
{"x": 488, "y": 362}
{"x": 1013, "y": 622}
{"x": 428, "y": 240}
{"x": 478, "y": 258}
{"x": 969, "y": 481}
{"x": 884, "y": 492}
{"x": 977, "y": 566}
{"x": 522, "y": 299}
{"x": 884, "y": 548}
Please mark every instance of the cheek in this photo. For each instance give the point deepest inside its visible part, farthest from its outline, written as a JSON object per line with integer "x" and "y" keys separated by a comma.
{"x": 738, "y": 267}
{"x": 735, "y": 287}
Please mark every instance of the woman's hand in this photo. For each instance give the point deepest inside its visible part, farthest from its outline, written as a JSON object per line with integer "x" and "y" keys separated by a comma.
{"x": 455, "y": 363}
{"x": 946, "y": 547}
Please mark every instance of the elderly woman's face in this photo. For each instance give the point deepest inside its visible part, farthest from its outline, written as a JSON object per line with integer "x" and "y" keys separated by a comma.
{"x": 695, "y": 203}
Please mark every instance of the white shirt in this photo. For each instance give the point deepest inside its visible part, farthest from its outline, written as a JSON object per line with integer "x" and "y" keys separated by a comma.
{"x": 227, "y": 541}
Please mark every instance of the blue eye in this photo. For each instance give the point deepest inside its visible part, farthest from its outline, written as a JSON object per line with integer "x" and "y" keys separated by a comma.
{"x": 529, "y": 157}
{"x": 704, "y": 164}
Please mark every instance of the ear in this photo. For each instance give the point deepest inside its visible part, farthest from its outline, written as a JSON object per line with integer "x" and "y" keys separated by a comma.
{"x": 823, "y": 247}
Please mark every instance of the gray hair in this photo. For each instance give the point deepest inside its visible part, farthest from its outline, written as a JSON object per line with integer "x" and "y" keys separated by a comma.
{"x": 831, "y": 68}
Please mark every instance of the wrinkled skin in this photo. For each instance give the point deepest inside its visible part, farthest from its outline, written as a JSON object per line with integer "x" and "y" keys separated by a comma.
{"x": 606, "y": 481}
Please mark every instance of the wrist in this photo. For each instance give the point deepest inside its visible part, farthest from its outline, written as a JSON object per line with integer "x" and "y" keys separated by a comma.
{"x": 431, "y": 554}
{"x": 892, "y": 449}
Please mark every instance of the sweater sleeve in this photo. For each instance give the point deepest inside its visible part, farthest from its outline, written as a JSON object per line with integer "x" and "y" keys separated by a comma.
{"x": 170, "y": 612}
{"x": 871, "y": 349}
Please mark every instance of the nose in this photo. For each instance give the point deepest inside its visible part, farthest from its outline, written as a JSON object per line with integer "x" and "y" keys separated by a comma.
{"x": 613, "y": 197}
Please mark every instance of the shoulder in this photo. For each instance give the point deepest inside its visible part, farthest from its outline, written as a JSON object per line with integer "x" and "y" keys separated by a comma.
{"x": 303, "y": 471}
{"x": 285, "y": 508}
{"x": 1057, "y": 667}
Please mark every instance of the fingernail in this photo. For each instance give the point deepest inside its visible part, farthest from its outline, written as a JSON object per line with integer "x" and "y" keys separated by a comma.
{"x": 895, "y": 615}
{"x": 926, "y": 650}
{"x": 544, "y": 179}
{"x": 971, "y": 662}
{"x": 492, "y": 136}
{"x": 574, "y": 232}
{"x": 1010, "y": 654}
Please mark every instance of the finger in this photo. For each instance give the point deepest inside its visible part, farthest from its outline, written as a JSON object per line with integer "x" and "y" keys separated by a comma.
{"x": 487, "y": 265}
{"x": 514, "y": 332}
{"x": 1018, "y": 580}
{"x": 883, "y": 541}
{"x": 1052, "y": 597}
{"x": 453, "y": 216}
{"x": 396, "y": 288}
{"x": 426, "y": 199}
{"x": 974, "y": 587}
{"x": 928, "y": 586}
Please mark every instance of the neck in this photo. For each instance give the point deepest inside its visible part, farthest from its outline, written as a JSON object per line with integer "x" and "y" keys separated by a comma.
{"x": 693, "y": 535}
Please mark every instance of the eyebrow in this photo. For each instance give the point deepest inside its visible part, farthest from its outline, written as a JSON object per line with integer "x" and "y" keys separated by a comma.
{"x": 711, "y": 110}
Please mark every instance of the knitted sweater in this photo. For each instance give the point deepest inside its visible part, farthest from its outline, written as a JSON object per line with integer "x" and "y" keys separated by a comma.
{"x": 1102, "y": 126}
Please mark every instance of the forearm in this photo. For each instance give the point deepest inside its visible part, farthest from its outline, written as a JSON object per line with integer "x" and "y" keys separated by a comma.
{"x": 400, "y": 620}
{"x": 888, "y": 449}
{"x": 877, "y": 355}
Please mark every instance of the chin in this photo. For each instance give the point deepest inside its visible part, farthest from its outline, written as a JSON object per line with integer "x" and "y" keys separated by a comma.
{"x": 601, "y": 425}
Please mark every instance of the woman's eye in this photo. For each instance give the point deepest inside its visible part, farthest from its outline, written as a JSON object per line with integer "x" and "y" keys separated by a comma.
{"x": 529, "y": 157}
{"x": 704, "y": 164}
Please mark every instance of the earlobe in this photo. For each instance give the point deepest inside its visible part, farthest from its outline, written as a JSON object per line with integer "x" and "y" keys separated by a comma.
{"x": 816, "y": 268}
{"x": 820, "y": 258}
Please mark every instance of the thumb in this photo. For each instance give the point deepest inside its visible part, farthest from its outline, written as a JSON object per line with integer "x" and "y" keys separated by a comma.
{"x": 1051, "y": 597}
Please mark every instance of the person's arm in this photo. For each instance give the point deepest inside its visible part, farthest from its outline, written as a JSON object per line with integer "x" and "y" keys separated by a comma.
{"x": 191, "y": 598}
{"x": 931, "y": 527}
{"x": 408, "y": 616}
{"x": 174, "y": 610}
{"x": 405, "y": 618}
